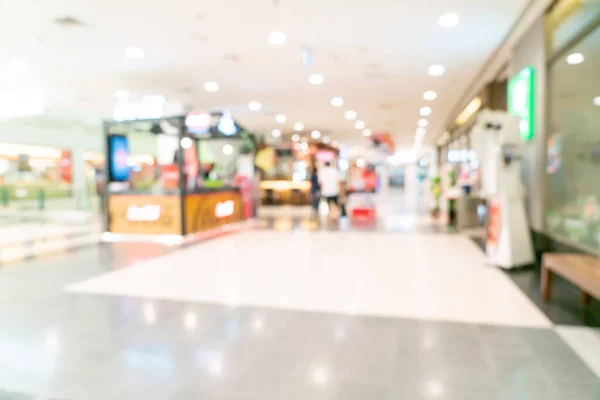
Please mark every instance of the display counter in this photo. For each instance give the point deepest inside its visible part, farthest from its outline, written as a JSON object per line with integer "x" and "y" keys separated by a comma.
{"x": 144, "y": 214}
{"x": 285, "y": 192}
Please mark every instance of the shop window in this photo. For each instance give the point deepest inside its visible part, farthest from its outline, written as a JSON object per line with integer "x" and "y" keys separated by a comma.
{"x": 569, "y": 18}
{"x": 573, "y": 162}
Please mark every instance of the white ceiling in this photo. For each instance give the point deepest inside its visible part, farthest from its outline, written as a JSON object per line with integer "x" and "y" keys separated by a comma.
{"x": 375, "y": 54}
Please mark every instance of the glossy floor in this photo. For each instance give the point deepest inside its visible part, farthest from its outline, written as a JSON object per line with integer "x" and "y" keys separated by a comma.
{"x": 285, "y": 315}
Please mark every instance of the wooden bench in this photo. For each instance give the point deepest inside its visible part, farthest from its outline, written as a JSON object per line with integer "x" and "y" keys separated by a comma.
{"x": 579, "y": 269}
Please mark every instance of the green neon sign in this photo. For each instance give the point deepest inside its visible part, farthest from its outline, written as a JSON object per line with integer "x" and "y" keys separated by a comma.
{"x": 521, "y": 101}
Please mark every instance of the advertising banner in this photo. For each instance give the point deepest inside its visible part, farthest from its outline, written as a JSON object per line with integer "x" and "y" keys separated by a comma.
{"x": 118, "y": 148}
{"x": 494, "y": 227}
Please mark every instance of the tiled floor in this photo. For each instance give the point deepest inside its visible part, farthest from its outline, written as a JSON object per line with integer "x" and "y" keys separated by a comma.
{"x": 285, "y": 315}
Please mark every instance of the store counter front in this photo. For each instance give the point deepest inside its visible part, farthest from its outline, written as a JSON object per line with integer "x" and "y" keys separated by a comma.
{"x": 147, "y": 214}
{"x": 144, "y": 214}
{"x": 211, "y": 208}
{"x": 284, "y": 192}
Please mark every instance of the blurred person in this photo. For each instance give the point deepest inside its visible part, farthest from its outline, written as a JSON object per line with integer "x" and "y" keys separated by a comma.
{"x": 315, "y": 190}
{"x": 330, "y": 179}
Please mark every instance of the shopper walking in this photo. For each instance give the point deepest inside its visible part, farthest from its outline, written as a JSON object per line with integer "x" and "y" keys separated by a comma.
{"x": 330, "y": 179}
{"x": 315, "y": 191}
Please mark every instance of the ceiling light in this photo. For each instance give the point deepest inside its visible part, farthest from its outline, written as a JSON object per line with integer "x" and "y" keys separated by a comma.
{"x": 315, "y": 134}
{"x": 470, "y": 110}
{"x": 277, "y": 38}
{"x": 359, "y": 125}
{"x": 596, "y": 101}
{"x": 186, "y": 143}
{"x": 19, "y": 65}
{"x": 304, "y": 146}
{"x": 190, "y": 321}
{"x": 122, "y": 95}
{"x": 149, "y": 313}
{"x": 254, "y": 106}
{"x": 360, "y": 163}
{"x": 227, "y": 149}
{"x": 134, "y": 52}
{"x": 430, "y": 95}
{"x": 425, "y": 111}
{"x": 316, "y": 79}
{"x": 276, "y": 133}
{"x": 449, "y": 20}
{"x": 350, "y": 114}
{"x": 421, "y": 131}
{"x": 211, "y": 87}
{"x": 437, "y": 70}
{"x": 575, "y": 58}
{"x": 280, "y": 118}
{"x": 299, "y": 126}
{"x": 337, "y": 102}
{"x": 423, "y": 123}
{"x": 295, "y": 137}
{"x": 367, "y": 132}
{"x": 326, "y": 139}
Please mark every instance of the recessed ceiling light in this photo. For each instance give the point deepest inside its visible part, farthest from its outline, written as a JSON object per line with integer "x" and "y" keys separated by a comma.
{"x": 122, "y": 95}
{"x": 135, "y": 52}
{"x": 596, "y": 101}
{"x": 316, "y": 79}
{"x": 299, "y": 126}
{"x": 423, "y": 123}
{"x": 425, "y": 111}
{"x": 359, "y": 125}
{"x": 211, "y": 87}
{"x": 227, "y": 149}
{"x": 367, "y": 132}
{"x": 280, "y": 118}
{"x": 276, "y": 133}
{"x": 575, "y": 58}
{"x": 326, "y": 139}
{"x": 254, "y": 105}
{"x": 350, "y": 114}
{"x": 19, "y": 65}
{"x": 437, "y": 70}
{"x": 449, "y": 20}
{"x": 186, "y": 142}
{"x": 337, "y": 102}
{"x": 430, "y": 95}
{"x": 315, "y": 134}
{"x": 304, "y": 146}
{"x": 421, "y": 131}
{"x": 295, "y": 137}
{"x": 277, "y": 38}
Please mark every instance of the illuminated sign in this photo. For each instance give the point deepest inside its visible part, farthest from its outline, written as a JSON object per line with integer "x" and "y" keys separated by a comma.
{"x": 227, "y": 125}
{"x": 521, "y": 101}
{"x": 147, "y": 213}
{"x": 198, "y": 122}
{"x": 21, "y": 102}
{"x": 225, "y": 209}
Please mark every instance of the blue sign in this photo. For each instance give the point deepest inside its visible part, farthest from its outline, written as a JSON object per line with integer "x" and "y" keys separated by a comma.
{"x": 118, "y": 148}
{"x": 227, "y": 125}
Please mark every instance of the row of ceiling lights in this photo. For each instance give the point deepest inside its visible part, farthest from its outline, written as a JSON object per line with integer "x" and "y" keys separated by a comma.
{"x": 446, "y": 21}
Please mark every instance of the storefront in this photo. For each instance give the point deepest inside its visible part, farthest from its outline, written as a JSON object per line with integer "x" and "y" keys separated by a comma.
{"x": 287, "y": 170}
{"x": 173, "y": 190}
{"x": 572, "y": 144}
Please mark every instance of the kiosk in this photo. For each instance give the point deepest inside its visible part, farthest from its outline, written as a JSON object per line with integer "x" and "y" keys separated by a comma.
{"x": 172, "y": 194}
{"x": 496, "y": 141}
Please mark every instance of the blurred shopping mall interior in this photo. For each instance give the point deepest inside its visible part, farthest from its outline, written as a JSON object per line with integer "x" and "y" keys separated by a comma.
{"x": 284, "y": 199}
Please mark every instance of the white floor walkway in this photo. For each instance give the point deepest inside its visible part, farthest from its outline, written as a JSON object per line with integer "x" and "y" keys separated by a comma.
{"x": 429, "y": 276}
